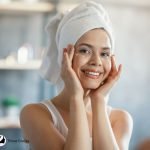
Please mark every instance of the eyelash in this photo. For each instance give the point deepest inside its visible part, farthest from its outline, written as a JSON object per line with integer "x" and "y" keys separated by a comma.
{"x": 84, "y": 51}
{"x": 103, "y": 54}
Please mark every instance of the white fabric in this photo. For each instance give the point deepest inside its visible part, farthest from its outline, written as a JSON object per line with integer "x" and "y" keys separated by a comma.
{"x": 64, "y": 29}
{"x": 57, "y": 118}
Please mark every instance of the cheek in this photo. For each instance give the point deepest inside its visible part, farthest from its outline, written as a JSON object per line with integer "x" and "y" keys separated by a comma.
{"x": 78, "y": 62}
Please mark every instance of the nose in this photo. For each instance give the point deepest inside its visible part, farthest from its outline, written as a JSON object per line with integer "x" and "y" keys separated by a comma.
{"x": 95, "y": 60}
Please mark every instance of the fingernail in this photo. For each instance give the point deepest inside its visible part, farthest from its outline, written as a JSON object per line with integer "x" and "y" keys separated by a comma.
{"x": 65, "y": 50}
{"x": 69, "y": 46}
{"x": 113, "y": 56}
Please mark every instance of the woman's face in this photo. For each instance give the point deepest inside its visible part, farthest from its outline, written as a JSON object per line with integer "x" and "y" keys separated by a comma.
{"x": 91, "y": 60}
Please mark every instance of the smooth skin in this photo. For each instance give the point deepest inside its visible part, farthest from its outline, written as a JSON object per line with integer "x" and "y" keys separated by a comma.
{"x": 89, "y": 72}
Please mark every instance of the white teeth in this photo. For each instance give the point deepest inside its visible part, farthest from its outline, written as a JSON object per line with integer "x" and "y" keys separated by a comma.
{"x": 93, "y": 73}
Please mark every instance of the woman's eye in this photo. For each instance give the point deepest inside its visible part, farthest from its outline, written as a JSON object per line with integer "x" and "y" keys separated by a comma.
{"x": 105, "y": 54}
{"x": 84, "y": 51}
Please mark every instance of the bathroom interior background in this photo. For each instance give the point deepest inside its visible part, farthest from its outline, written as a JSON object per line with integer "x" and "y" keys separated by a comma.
{"x": 131, "y": 23}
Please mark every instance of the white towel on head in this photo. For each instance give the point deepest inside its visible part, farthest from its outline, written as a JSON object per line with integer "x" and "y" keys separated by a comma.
{"x": 64, "y": 29}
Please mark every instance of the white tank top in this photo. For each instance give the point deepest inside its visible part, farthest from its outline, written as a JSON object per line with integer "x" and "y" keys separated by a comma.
{"x": 57, "y": 118}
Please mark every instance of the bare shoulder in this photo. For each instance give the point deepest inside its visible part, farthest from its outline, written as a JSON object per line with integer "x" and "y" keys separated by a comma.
{"x": 36, "y": 122}
{"x": 122, "y": 125}
{"x": 121, "y": 116}
{"x": 33, "y": 114}
{"x": 33, "y": 111}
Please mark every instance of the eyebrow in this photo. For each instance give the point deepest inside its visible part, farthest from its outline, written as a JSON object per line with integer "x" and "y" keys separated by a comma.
{"x": 92, "y": 47}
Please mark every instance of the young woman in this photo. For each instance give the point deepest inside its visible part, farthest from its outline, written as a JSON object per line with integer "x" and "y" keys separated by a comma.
{"x": 79, "y": 118}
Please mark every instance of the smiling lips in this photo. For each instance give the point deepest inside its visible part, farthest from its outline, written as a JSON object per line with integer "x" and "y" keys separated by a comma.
{"x": 92, "y": 73}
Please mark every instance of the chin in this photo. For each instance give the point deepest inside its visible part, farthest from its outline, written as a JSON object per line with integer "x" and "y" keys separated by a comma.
{"x": 90, "y": 86}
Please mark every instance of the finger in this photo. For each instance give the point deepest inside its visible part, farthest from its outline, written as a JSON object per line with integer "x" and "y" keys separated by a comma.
{"x": 63, "y": 63}
{"x": 70, "y": 52}
{"x": 66, "y": 60}
{"x": 114, "y": 75}
{"x": 119, "y": 69}
{"x": 113, "y": 63}
{"x": 119, "y": 72}
{"x": 63, "y": 58}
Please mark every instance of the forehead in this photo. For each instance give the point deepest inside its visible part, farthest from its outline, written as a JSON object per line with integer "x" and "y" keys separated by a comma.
{"x": 96, "y": 37}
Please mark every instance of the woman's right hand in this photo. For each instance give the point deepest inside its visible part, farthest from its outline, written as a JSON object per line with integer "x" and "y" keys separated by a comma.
{"x": 72, "y": 83}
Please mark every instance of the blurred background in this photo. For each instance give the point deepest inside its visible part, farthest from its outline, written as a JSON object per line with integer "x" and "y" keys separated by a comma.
{"x": 23, "y": 39}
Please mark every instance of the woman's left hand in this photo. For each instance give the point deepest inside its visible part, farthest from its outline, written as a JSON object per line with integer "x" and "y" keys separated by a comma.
{"x": 104, "y": 89}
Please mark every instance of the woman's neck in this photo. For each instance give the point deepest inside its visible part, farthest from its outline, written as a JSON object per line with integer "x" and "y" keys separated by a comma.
{"x": 62, "y": 100}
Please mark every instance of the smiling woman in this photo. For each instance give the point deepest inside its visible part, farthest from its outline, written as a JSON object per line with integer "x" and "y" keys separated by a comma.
{"x": 81, "y": 63}
{"x": 92, "y": 51}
